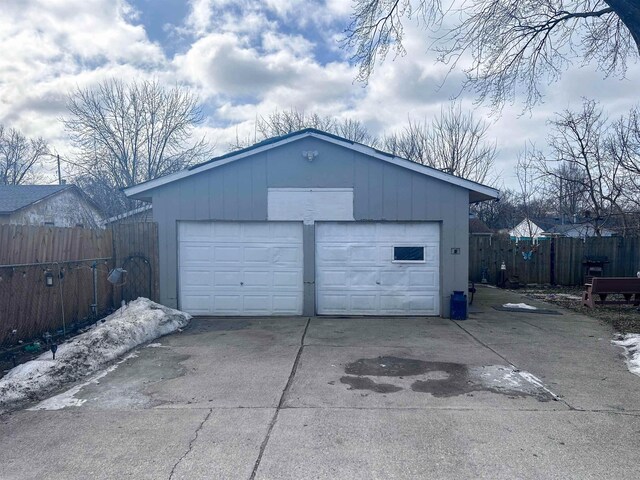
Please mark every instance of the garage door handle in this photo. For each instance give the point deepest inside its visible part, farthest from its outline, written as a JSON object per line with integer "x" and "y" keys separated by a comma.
{"x": 377, "y": 283}
{"x": 241, "y": 283}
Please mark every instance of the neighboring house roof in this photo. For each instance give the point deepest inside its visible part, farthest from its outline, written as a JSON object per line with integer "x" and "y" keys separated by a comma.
{"x": 578, "y": 230}
{"x": 478, "y": 192}
{"x": 128, "y": 214}
{"x": 527, "y": 228}
{"x": 15, "y": 197}
{"x": 478, "y": 227}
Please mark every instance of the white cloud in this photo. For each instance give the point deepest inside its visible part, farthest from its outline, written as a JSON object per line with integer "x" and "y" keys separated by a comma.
{"x": 247, "y": 59}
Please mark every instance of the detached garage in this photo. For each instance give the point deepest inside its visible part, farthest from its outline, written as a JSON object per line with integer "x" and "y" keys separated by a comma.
{"x": 311, "y": 224}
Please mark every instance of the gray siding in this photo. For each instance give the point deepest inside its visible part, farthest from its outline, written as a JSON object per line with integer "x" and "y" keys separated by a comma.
{"x": 382, "y": 192}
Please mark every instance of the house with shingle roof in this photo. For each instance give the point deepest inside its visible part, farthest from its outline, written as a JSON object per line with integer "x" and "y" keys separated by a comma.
{"x": 48, "y": 205}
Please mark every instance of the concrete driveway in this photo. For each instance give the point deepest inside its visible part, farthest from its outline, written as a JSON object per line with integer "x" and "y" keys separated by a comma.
{"x": 501, "y": 395}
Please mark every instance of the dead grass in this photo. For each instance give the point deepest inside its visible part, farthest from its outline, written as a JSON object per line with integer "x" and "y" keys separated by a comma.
{"x": 624, "y": 318}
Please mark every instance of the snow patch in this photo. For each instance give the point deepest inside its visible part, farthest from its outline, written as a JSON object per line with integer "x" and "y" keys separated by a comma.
{"x": 67, "y": 399}
{"x": 631, "y": 344}
{"x": 523, "y": 306}
{"x": 139, "y": 322}
{"x": 155, "y": 345}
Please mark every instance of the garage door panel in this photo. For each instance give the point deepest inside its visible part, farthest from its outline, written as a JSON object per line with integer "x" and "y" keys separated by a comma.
{"x": 198, "y": 304}
{"x": 286, "y": 255}
{"x": 363, "y": 254}
{"x": 364, "y": 303}
{"x": 425, "y": 303}
{"x": 196, "y": 254}
{"x": 394, "y": 278}
{"x": 333, "y": 253}
{"x": 227, "y": 254}
{"x": 223, "y": 231}
{"x": 256, "y": 279}
{"x": 426, "y": 279}
{"x": 368, "y": 281}
{"x": 197, "y": 231}
{"x": 284, "y": 304}
{"x": 197, "y": 278}
{"x": 257, "y": 255}
{"x": 228, "y": 304}
{"x": 432, "y": 254}
{"x": 333, "y": 278}
{"x": 361, "y": 278}
{"x": 252, "y": 268}
{"x": 285, "y": 279}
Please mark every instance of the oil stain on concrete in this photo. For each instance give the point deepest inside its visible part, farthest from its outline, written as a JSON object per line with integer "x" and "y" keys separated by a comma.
{"x": 364, "y": 383}
{"x": 443, "y": 379}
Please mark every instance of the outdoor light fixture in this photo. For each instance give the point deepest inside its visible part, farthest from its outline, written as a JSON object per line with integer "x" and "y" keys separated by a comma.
{"x": 310, "y": 154}
{"x": 48, "y": 278}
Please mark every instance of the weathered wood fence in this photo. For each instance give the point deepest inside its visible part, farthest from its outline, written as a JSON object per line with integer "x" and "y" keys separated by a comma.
{"x": 47, "y": 275}
{"x": 553, "y": 261}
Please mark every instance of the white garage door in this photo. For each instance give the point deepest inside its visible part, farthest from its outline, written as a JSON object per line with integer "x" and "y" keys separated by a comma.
{"x": 377, "y": 268}
{"x": 235, "y": 268}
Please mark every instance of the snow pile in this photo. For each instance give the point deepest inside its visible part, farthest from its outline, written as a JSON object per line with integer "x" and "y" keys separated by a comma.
{"x": 523, "y": 306}
{"x": 138, "y": 322}
{"x": 631, "y": 344}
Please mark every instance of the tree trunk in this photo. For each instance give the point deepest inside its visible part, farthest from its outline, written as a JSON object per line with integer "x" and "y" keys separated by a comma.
{"x": 629, "y": 13}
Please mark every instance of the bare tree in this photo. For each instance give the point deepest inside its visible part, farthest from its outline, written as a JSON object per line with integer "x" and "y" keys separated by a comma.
{"x": 625, "y": 148}
{"x": 19, "y": 156}
{"x": 580, "y": 142}
{"x": 527, "y": 196}
{"x": 500, "y": 214}
{"x": 513, "y": 44}
{"x": 131, "y": 133}
{"x": 281, "y": 123}
{"x": 566, "y": 188}
{"x": 454, "y": 142}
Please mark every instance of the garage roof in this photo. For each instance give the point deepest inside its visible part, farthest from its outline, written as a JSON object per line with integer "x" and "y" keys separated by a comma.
{"x": 477, "y": 191}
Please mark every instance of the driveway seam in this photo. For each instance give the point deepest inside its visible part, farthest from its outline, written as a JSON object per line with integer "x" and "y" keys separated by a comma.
{"x": 191, "y": 442}
{"x": 272, "y": 424}
{"x": 509, "y": 362}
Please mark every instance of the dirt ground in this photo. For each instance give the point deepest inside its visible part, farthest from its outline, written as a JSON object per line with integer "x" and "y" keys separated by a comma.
{"x": 624, "y": 318}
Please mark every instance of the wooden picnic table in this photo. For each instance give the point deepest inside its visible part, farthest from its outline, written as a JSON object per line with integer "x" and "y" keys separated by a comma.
{"x": 628, "y": 287}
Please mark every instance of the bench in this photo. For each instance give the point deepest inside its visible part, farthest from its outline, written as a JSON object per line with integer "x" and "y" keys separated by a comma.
{"x": 628, "y": 287}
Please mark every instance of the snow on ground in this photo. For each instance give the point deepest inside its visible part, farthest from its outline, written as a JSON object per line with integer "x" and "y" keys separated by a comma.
{"x": 68, "y": 398}
{"x": 631, "y": 344}
{"x": 519, "y": 305}
{"x": 136, "y": 323}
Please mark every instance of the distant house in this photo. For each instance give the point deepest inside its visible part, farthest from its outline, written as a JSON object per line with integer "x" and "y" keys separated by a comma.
{"x": 528, "y": 229}
{"x": 478, "y": 228}
{"x": 542, "y": 228}
{"x": 140, "y": 214}
{"x": 577, "y": 230}
{"x": 54, "y": 205}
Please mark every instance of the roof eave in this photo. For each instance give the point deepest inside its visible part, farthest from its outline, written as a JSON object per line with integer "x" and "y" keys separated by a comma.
{"x": 478, "y": 192}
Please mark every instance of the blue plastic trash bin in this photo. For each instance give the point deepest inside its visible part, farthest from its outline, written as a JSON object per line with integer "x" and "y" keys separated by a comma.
{"x": 458, "y": 306}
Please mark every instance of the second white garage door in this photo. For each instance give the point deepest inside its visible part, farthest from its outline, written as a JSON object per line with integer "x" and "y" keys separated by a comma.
{"x": 240, "y": 268}
{"x": 377, "y": 268}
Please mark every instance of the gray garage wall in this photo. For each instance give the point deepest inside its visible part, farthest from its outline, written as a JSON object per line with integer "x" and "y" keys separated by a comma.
{"x": 382, "y": 192}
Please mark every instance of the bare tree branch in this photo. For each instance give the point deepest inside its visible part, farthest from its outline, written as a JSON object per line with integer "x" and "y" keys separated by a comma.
{"x": 514, "y": 45}
{"x": 454, "y": 142}
{"x": 19, "y": 156}
{"x": 131, "y": 133}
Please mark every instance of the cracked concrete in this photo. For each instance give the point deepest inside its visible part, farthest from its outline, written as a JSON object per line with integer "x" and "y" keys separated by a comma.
{"x": 262, "y": 398}
{"x": 190, "y": 447}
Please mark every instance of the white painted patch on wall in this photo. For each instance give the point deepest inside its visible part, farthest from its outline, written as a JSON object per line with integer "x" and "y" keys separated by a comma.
{"x": 310, "y": 204}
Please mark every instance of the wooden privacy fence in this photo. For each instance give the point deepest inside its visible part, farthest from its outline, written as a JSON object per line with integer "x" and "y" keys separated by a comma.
{"x": 552, "y": 261}
{"x": 47, "y": 275}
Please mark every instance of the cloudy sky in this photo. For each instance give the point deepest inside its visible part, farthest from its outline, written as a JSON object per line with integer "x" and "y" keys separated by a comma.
{"x": 247, "y": 59}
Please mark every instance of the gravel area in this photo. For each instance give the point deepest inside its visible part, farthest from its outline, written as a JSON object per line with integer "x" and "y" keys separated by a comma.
{"x": 624, "y": 318}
